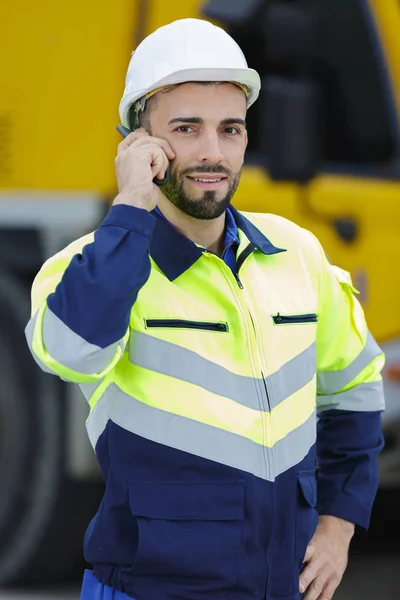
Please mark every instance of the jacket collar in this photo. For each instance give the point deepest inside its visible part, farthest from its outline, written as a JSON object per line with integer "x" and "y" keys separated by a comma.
{"x": 253, "y": 234}
{"x": 174, "y": 254}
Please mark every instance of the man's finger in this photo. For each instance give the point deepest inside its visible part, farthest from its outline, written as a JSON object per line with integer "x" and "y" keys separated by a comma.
{"x": 131, "y": 139}
{"x": 316, "y": 589}
{"x": 330, "y": 588}
{"x": 159, "y": 164}
{"x": 309, "y": 553}
{"x": 310, "y": 573}
{"x": 160, "y": 142}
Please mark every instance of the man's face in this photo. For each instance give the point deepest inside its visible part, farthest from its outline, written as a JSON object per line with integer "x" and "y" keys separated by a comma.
{"x": 205, "y": 126}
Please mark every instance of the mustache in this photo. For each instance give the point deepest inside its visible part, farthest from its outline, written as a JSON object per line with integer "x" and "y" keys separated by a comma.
{"x": 206, "y": 169}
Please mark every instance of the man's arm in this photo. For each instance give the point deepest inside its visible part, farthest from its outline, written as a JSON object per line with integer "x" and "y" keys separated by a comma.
{"x": 349, "y": 403}
{"x": 349, "y": 436}
{"x": 82, "y": 297}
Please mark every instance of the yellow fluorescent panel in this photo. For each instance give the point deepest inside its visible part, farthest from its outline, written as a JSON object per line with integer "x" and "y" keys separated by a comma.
{"x": 195, "y": 403}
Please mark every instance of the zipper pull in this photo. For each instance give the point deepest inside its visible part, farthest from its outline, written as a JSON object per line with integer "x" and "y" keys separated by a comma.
{"x": 240, "y": 284}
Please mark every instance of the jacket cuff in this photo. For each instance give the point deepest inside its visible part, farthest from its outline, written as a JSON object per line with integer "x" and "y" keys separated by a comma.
{"x": 346, "y": 508}
{"x": 135, "y": 219}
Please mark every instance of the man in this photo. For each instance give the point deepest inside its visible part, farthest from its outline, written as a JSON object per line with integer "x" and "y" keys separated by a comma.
{"x": 206, "y": 341}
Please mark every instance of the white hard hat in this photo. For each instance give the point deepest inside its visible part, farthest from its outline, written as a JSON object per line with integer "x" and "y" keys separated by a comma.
{"x": 186, "y": 50}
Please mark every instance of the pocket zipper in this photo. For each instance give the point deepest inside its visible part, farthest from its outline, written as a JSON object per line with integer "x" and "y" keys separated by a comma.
{"x": 182, "y": 324}
{"x": 293, "y": 319}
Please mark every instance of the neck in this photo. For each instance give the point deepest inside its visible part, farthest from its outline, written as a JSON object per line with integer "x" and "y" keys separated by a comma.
{"x": 206, "y": 233}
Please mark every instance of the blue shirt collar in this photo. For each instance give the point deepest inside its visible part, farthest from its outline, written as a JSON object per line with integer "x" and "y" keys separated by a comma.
{"x": 174, "y": 253}
{"x": 231, "y": 229}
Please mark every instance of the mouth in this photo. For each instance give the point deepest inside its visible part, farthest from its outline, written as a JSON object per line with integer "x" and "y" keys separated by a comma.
{"x": 210, "y": 182}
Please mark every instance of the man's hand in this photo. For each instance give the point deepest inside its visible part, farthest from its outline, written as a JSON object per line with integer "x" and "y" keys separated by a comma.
{"x": 141, "y": 157}
{"x": 327, "y": 556}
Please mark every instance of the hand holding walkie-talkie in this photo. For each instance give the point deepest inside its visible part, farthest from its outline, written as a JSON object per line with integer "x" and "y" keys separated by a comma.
{"x": 124, "y": 131}
{"x": 142, "y": 166}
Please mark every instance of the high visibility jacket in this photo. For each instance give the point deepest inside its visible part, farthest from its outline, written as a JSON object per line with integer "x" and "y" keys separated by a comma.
{"x": 204, "y": 389}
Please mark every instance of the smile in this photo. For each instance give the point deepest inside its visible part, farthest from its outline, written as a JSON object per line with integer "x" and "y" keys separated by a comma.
{"x": 208, "y": 182}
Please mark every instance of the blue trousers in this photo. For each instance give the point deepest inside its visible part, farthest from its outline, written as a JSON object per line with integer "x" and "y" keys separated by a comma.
{"x": 93, "y": 590}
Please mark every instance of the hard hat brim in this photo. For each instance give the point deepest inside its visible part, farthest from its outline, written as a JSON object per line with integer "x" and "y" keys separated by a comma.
{"x": 248, "y": 77}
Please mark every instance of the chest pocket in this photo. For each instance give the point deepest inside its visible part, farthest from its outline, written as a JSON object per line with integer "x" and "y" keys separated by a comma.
{"x": 279, "y": 319}
{"x": 185, "y": 324}
{"x": 191, "y": 529}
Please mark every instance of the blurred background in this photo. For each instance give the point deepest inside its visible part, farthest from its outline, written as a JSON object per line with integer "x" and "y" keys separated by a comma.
{"x": 324, "y": 152}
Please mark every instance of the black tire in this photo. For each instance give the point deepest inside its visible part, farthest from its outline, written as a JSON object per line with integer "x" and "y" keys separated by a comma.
{"x": 43, "y": 515}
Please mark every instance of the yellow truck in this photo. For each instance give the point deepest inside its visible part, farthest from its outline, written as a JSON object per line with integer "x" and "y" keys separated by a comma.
{"x": 324, "y": 152}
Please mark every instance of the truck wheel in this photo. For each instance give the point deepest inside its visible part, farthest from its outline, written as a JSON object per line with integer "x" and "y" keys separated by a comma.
{"x": 43, "y": 515}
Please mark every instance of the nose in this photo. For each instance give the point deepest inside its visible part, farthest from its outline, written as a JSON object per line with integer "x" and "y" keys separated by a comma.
{"x": 210, "y": 148}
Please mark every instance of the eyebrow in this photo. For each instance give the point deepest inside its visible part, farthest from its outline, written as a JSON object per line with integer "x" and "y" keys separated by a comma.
{"x": 200, "y": 121}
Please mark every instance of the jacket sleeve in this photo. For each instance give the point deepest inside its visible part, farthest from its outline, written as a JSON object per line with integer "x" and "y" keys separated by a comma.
{"x": 82, "y": 297}
{"x": 349, "y": 401}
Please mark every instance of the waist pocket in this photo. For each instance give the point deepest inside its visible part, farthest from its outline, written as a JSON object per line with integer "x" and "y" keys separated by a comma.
{"x": 191, "y": 529}
{"x": 306, "y": 517}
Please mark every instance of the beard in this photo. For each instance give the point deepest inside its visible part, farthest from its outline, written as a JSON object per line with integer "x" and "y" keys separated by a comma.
{"x": 208, "y": 206}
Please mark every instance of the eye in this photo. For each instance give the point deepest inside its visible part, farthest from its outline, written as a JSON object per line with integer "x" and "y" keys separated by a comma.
{"x": 232, "y": 130}
{"x": 183, "y": 128}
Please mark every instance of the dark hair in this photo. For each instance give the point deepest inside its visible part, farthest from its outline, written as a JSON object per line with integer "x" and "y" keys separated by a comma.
{"x": 144, "y": 116}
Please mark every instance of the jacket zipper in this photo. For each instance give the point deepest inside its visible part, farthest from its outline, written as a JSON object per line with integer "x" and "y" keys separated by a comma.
{"x": 266, "y": 404}
{"x": 287, "y": 319}
{"x": 267, "y": 457}
{"x": 248, "y": 318}
{"x": 245, "y": 254}
{"x": 182, "y": 324}
{"x": 242, "y": 257}
{"x": 256, "y": 337}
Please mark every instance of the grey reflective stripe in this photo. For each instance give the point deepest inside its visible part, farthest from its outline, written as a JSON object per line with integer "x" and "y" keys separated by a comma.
{"x": 29, "y": 329}
{"x": 363, "y": 397}
{"x": 330, "y": 382}
{"x": 293, "y": 375}
{"x": 73, "y": 351}
{"x": 181, "y": 363}
{"x": 199, "y": 439}
{"x": 289, "y": 451}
